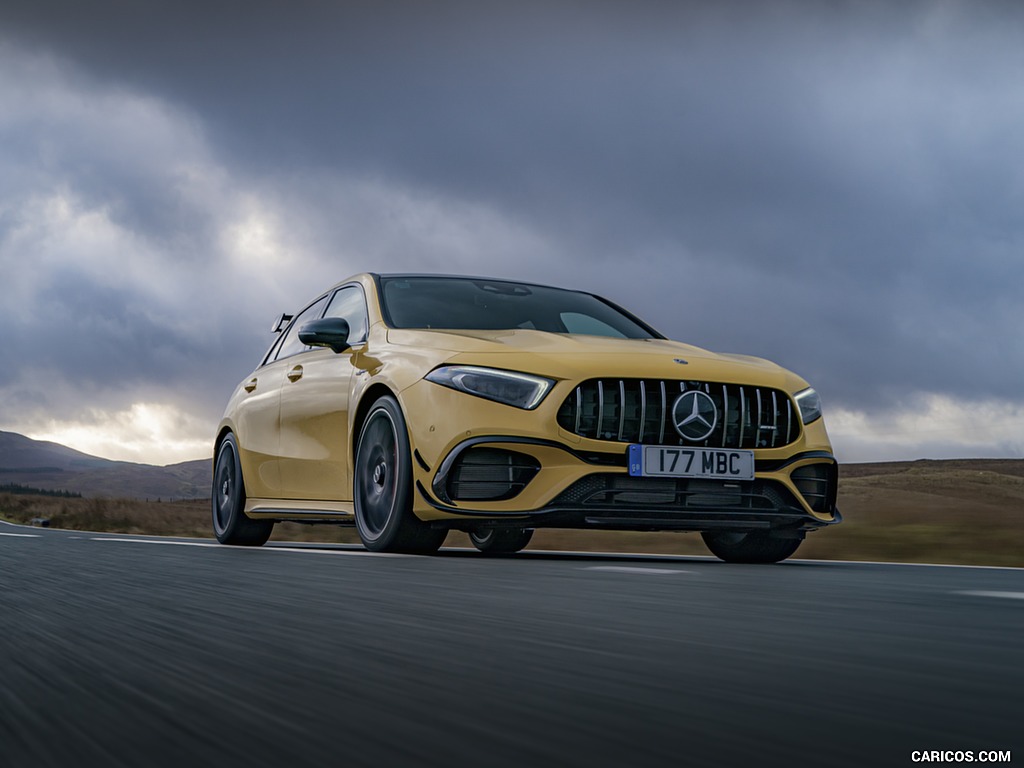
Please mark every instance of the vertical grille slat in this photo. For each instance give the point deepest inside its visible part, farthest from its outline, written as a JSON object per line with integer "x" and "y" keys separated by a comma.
{"x": 579, "y": 409}
{"x": 661, "y": 433}
{"x": 725, "y": 415}
{"x": 622, "y": 407}
{"x": 640, "y": 411}
{"x": 743, "y": 417}
{"x": 775, "y": 419}
{"x": 757, "y": 433}
{"x": 643, "y": 411}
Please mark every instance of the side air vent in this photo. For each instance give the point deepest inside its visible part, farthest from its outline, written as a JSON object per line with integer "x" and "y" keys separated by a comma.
{"x": 490, "y": 474}
{"x": 817, "y": 483}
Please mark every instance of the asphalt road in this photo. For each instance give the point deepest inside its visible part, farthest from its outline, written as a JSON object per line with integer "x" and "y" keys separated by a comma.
{"x": 135, "y": 651}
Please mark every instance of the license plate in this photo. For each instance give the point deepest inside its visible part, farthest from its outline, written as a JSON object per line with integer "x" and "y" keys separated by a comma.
{"x": 669, "y": 461}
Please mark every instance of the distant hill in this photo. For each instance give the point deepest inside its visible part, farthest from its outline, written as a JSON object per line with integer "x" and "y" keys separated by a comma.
{"x": 1014, "y": 467}
{"x": 51, "y": 466}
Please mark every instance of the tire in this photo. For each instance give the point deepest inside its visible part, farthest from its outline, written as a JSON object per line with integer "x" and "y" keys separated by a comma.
{"x": 382, "y": 486}
{"x": 230, "y": 523}
{"x": 501, "y": 541}
{"x": 755, "y": 547}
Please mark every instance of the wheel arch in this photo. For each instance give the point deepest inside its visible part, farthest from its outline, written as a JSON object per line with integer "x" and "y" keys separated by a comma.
{"x": 225, "y": 430}
{"x": 371, "y": 395}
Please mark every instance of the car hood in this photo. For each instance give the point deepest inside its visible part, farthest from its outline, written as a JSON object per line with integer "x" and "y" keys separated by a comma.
{"x": 569, "y": 356}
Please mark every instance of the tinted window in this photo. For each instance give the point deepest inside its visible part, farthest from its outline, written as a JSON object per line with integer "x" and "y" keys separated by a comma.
{"x": 350, "y": 304}
{"x": 467, "y": 304}
{"x": 587, "y": 325}
{"x": 291, "y": 344}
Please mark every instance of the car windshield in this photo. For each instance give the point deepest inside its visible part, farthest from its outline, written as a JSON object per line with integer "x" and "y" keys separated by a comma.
{"x": 477, "y": 304}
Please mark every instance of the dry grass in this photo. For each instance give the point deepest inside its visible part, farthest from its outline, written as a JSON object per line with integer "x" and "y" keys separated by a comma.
{"x": 968, "y": 512}
{"x": 929, "y": 512}
{"x": 169, "y": 518}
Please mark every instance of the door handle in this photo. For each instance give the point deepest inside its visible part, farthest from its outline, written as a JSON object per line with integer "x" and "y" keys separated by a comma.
{"x": 295, "y": 373}
{"x": 250, "y": 386}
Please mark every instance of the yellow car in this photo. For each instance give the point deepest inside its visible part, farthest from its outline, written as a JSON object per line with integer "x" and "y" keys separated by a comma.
{"x": 410, "y": 405}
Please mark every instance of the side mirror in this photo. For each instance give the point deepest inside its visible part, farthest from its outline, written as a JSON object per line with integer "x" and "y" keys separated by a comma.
{"x": 330, "y": 332}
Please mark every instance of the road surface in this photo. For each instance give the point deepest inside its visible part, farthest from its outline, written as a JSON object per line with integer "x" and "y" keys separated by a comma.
{"x": 139, "y": 651}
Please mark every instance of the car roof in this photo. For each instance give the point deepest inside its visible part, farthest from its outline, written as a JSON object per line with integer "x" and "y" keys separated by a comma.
{"x": 485, "y": 278}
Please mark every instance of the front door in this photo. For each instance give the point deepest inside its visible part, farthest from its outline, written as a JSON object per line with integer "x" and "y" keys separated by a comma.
{"x": 314, "y": 426}
{"x": 314, "y": 447}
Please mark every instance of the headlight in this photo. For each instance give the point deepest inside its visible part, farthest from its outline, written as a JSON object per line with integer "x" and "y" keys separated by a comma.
{"x": 518, "y": 389}
{"x": 809, "y": 404}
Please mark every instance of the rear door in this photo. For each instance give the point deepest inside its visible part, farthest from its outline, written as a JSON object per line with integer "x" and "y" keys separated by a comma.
{"x": 257, "y": 413}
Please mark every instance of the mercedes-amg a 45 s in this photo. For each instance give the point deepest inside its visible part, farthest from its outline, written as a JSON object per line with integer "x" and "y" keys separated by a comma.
{"x": 409, "y": 405}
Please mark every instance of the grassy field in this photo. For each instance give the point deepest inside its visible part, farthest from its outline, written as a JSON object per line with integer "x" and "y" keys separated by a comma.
{"x": 963, "y": 511}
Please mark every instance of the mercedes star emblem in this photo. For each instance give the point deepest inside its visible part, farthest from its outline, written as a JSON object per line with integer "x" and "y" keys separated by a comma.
{"x": 694, "y": 415}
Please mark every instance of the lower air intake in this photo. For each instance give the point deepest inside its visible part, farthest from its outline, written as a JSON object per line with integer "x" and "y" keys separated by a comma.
{"x": 490, "y": 474}
{"x": 817, "y": 483}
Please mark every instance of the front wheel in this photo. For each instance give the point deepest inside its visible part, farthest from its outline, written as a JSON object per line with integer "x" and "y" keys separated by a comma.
{"x": 382, "y": 486}
{"x": 501, "y": 541}
{"x": 230, "y": 523}
{"x": 754, "y": 547}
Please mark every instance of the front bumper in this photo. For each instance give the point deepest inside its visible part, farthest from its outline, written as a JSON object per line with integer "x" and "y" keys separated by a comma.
{"x": 567, "y": 481}
{"x": 605, "y": 496}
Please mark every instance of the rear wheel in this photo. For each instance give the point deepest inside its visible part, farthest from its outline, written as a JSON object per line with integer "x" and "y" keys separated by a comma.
{"x": 754, "y": 547}
{"x": 230, "y": 523}
{"x": 382, "y": 486}
{"x": 501, "y": 541}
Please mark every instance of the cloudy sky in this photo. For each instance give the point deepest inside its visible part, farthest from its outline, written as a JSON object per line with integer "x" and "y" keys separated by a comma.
{"x": 838, "y": 187}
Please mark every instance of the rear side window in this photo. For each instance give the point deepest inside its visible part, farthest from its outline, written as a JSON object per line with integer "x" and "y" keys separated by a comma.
{"x": 291, "y": 344}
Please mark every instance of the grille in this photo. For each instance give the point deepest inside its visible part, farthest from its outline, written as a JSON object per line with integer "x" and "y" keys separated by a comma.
{"x": 603, "y": 491}
{"x": 490, "y": 474}
{"x": 640, "y": 411}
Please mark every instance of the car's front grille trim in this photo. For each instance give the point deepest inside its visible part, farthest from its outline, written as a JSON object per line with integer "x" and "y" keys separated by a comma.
{"x": 661, "y": 431}
{"x": 622, "y": 409}
{"x": 579, "y": 407}
{"x": 757, "y": 437}
{"x": 742, "y": 421}
{"x": 636, "y": 411}
{"x": 725, "y": 421}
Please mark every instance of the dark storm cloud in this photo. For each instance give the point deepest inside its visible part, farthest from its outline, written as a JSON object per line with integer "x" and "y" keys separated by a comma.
{"x": 110, "y": 342}
{"x": 834, "y": 186}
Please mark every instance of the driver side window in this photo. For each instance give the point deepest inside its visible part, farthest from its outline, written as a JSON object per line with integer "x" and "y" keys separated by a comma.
{"x": 348, "y": 303}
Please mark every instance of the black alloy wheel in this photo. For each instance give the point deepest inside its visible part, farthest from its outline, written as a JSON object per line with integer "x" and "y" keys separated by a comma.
{"x": 230, "y": 523}
{"x": 501, "y": 541}
{"x": 753, "y": 547}
{"x": 382, "y": 486}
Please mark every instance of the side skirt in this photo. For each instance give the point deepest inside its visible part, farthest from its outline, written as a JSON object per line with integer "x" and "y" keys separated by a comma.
{"x": 300, "y": 510}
